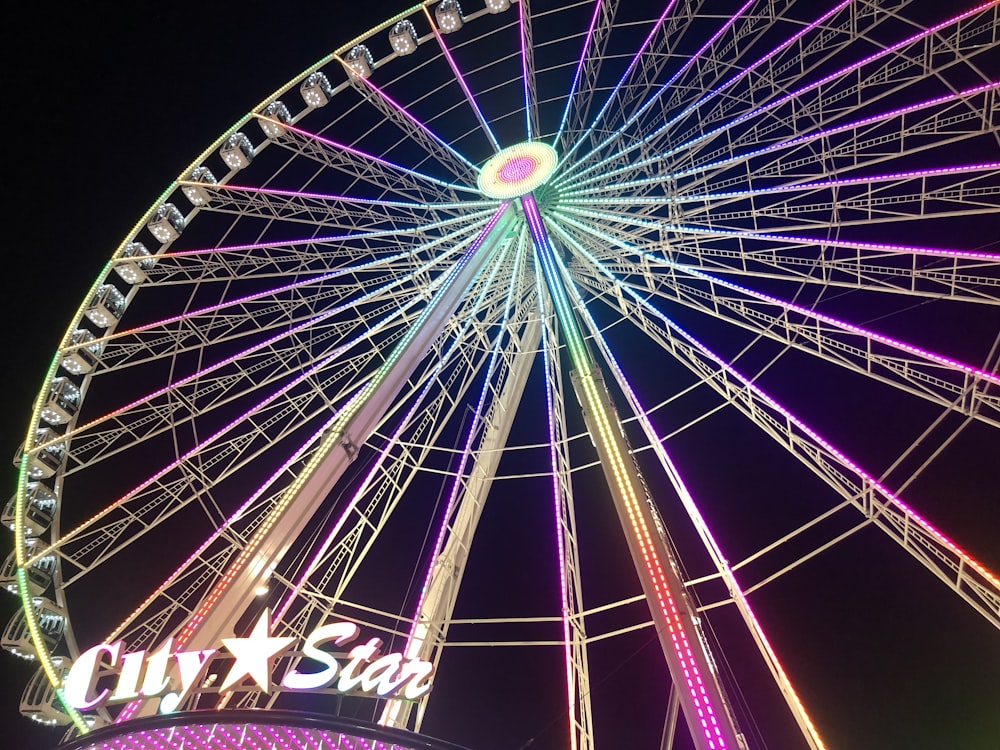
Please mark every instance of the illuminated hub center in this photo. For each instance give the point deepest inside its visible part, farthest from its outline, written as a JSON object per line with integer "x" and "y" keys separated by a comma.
{"x": 517, "y": 170}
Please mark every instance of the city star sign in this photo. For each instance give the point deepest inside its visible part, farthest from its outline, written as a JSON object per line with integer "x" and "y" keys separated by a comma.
{"x": 142, "y": 675}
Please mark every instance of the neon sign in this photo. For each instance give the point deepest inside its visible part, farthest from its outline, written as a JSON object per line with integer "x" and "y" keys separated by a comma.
{"x": 142, "y": 674}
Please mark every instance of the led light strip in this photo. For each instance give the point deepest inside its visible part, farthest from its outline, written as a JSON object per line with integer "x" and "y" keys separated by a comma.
{"x": 707, "y": 715}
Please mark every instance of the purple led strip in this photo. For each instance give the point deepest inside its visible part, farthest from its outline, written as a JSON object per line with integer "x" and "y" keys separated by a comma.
{"x": 402, "y": 110}
{"x": 948, "y": 98}
{"x": 788, "y": 188}
{"x": 353, "y": 199}
{"x": 782, "y": 145}
{"x": 713, "y": 93}
{"x": 376, "y": 159}
{"x": 799, "y": 240}
{"x": 579, "y": 70}
{"x": 783, "y": 99}
{"x": 469, "y": 218}
{"x": 849, "y": 327}
{"x": 628, "y": 71}
{"x": 461, "y": 80}
{"x": 841, "y": 457}
{"x": 547, "y": 350}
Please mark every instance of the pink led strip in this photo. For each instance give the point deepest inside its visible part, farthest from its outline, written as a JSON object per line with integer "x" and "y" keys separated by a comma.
{"x": 887, "y": 340}
{"x": 792, "y": 239}
{"x": 838, "y": 455}
{"x": 372, "y": 158}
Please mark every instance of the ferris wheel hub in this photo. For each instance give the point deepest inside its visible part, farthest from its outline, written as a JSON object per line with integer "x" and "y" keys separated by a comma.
{"x": 517, "y": 170}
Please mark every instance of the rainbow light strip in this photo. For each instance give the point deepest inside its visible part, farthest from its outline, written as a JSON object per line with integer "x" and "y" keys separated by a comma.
{"x": 549, "y": 348}
{"x": 694, "y": 513}
{"x": 523, "y": 35}
{"x": 617, "y": 464}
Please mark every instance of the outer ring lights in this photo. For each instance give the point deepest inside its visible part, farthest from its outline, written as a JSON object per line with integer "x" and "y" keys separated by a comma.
{"x": 517, "y": 170}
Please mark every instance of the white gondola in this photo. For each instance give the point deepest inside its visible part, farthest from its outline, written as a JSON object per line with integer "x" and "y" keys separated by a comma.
{"x": 81, "y": 358}
{"x": 403, "y": 38}
{"x": 39, "y": 701}
{"x": 359, "y": 61}
{"x": 62, "y": 403}
{"x": 449, "y": 16}
{"x": 47, "y": 461}
{"x": 316, "y": 90}
{"x": 497, "y": 6}
{"x": 196, "y": 194}
{"x": 133, "y": 271}
{"x": 51, "y": 619}
{"x": 237, "y": 151}
{"x": 39, "y": 510}
{"x": 106, "y": 306}
{"x": 277, "y": 115}
{"x": 39, "y": 573}
{"x": 167, "y": 223}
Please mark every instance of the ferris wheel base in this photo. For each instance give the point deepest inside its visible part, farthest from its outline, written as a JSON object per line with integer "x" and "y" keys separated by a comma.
{"x": 251, "y": 730}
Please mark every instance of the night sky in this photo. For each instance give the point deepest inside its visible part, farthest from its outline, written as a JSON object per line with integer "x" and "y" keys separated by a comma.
{"x": 105, "y": 107}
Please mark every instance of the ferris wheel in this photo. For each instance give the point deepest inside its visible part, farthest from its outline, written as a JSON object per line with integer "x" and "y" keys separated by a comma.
{"x": 547, "y": 359}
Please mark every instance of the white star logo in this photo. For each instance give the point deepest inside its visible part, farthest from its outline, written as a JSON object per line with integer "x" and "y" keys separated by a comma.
{"x": 253, "y": 654}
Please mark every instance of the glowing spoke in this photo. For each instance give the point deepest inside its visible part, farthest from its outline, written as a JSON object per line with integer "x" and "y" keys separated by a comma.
{"x": 925, "y": 374}
{"x": 461, "y": 81}
{"x": 361, "y": 165}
